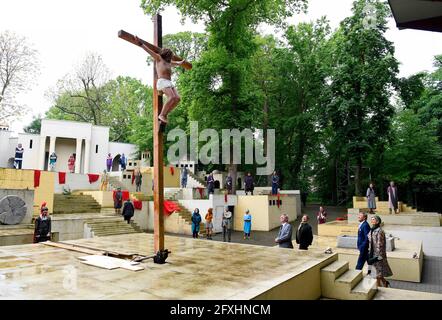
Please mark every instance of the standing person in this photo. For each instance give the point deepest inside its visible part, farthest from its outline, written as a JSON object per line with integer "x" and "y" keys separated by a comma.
{"x": 138, "y": 180}
{"x": 371, "y": 198}
{"x": 229, "y": 184}
{"x": 104, "y": 181}
{"x": 52, "y": 161}
{"x": 164, "y": 63}
{"x": 123, "y": 162}
{"x": 210, "y": 184}
{"x": 209, "y": 224}
{"x": 363, "y": 231}
{"x": 284, "y": 238}
{"x": 227, "y": 224}
{"x": 118, "y": 201}
{"x": 109, "y": 162}
{"x": 304, "y": 235}
{"x": 128, "y": 210}
{"x": 247, "y": 224}
{"x": 184, "y": 174}
{"x": 196, "y": 220}
{"x": 43, "y": 226}
{"x": 19, "y": 156}
{"x": 377, "y": 255}
{"x": 249, "y": 184}
{"x": 304, "y": 198}
{"x": 275, "y": 183}
{"x": 71, "y": 163}
{"x": 321, "y": 215}
{"x": 392, "y": 197}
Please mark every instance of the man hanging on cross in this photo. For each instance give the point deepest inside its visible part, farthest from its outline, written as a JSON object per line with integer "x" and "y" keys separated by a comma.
{"x": 164, "y": 66}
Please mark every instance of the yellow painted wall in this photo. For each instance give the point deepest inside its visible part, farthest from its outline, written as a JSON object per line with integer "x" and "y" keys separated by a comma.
{"x": 259, "y": 209}
{"x": 337, "y": 228}
{"x": 170, "y": 181}
{"x": 104, "y": 198}
{"x": 24, "y": 179}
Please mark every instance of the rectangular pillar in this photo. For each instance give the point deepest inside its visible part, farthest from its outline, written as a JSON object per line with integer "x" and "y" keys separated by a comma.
{"x": 51, "y": 148}
{"x": 87, "y": 155}
{"x": 42, "y": 152}
{"x": 78, "y": 156}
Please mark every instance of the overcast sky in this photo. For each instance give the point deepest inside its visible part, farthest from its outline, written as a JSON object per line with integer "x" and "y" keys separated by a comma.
{"x": 64, "y": 31}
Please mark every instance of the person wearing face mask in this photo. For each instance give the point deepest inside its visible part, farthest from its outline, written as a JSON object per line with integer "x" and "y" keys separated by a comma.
{"x": 42, "y": 230}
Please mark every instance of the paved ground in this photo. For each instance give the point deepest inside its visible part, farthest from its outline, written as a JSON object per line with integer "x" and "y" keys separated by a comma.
{"x": 431, "y": 275}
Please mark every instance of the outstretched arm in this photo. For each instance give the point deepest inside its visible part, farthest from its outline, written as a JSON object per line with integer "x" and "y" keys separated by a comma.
{"x": 154, "y": 55}
{"x": 176, "y": 63}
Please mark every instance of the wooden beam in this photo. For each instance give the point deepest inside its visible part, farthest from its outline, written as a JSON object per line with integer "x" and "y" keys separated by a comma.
{"x": 158, "y": 147}
{"x": 131, "y": 38}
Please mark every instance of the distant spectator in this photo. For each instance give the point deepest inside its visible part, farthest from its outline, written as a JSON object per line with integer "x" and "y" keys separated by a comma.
{"x": 392, "y": 197}
{"x": 18, "y": 156}
{"x": 128, "y": 210}
{"x": 43, "y": 226}
{"x": 304, "y": 198}
{"x": 247, "y": 224}
{"x": 377, "y": 252}
{"x": 118, "y": 201}
{"x": 138, "y": 180}
{"x": 196, "y": 220}
{"x": 52, "y": 161}
{"x": 227, "y": 224}
{"x": 304, "y": 236}
{"x": 210, "y": 184}
{"x": 229, "y": 184}
{"x": 123, "y": 162}
{"x": 109, "y": 162}
{"x": 104, "y": 181}
{"x": 71, "y": 164}
{"x": 249, "y": 184}
{"x": 321, "y": 215}
{"x": 284, "y": 239}
{"x": 209, "y": 224}
{"x": 275, "y": 183}
{"x": 371, "y": 198}
{"x": 184, "y": 174}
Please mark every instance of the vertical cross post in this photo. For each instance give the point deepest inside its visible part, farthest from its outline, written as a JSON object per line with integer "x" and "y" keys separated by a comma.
{"x": 158, "y": 147}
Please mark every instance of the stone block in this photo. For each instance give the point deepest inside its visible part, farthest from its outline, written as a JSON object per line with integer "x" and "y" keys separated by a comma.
{"x": 350, "y": 242}
{"x": 12, "y": 210}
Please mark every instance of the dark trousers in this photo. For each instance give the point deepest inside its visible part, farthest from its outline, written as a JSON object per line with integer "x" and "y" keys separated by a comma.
{"x": 303, "y": 247}
{"x": 226, "y": 231}
{"x": 195, "y": 235}
{"x": 211, "y": 189}
{"x": 249, "y": 190}
{"x": 274, "y": 189}
{"x": 138, "y": 188}
{"x": 19, "y": 163}
{"x": 363, "y": 257}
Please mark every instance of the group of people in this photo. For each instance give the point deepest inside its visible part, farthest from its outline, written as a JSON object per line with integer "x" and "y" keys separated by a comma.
{"x": 393, "y": 201}
{"x": 122, "y": 162}
{"x": 304, "y": 233}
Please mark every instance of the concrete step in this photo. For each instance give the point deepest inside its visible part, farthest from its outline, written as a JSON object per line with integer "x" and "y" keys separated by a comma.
{"x": 350, "y": 278}
{"x": 365, "y": 290}
{"x": 337, "y": 268}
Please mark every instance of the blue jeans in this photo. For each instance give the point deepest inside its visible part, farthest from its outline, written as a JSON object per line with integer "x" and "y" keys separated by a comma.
{"x": 363, "y": 257}
{"x": 274, "y": 188}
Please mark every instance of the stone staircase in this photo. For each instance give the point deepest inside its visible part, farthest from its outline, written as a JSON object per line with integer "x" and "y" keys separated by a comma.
{"x": 172, "y": 194}
{"x": 75, "y": 203}
{"x": 382, "y": 207}
{"x": 186, "y": 215}
{"x": 141, "y": 196}
{"x": 102, "y": 227}
{"x": 116, "y": 183}
{"x": 339, "y": 282}
{"x": 195, "y": 182}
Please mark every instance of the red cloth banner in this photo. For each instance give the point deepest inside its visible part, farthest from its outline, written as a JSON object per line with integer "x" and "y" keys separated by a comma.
{"x": 93, "y": 177}
{"x": 133, "y": 177}
{"x": 37, "y": 174}
{"x": 170, "y": 207}
{"x": 278, "y": 201}
{"x": 138, "y": 205}
{"x": 125, "y": 194}
{"x": 61, "y": 177}
{"x": 172, "y": 170}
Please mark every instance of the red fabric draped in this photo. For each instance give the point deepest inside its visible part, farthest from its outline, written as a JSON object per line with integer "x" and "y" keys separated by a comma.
{"x": 133, "y": 177}
{"x": 61, "y": 177}
{"x": 170, "y": 207}
{"x": 93, "y": 177}
{"x": 37, "y": 174}
{"x": 124, "y": 192}
{"x": 201, "y": 190}
{"x": 138, "y": 205}
{"x": 278, "y": 201}
{"x": 172, "y": 170}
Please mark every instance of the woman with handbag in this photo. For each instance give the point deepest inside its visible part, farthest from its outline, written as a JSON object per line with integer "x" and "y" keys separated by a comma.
{"x": 377, "y": 256}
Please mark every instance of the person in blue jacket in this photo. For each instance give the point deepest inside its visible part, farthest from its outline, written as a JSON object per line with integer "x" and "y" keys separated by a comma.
{"x": 363, "y": 230}
{"x": 196, "y": 220}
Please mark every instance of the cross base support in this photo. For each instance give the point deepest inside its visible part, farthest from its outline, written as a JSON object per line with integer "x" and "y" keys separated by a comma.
{"x": 161, "y": 256}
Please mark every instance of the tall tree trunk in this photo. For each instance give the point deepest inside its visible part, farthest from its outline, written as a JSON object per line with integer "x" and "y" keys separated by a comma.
{"x": 358, "y": 177}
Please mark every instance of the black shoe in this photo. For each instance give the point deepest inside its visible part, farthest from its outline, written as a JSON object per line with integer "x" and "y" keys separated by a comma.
{"x": 388, "y": 285}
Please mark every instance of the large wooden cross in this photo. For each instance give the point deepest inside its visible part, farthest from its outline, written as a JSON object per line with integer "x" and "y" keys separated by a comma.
{"x": 157, "y": 134}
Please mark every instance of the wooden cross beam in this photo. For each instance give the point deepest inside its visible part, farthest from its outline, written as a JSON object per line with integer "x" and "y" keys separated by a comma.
{"x": 131, "y": 38}
{"x": 158, "y": 138}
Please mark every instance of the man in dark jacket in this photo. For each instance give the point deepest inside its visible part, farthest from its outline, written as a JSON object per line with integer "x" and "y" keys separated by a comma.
{"x": 19, "y": 156}
{"x": 304, "y": 236}
{"x": 249, "y": 184}
{"x": 363, "y": 230}
{"x": 128, "y": 210}
{"x": 229, "y": 184}
{"x": 210, "y": 184}
{"x": 284, "y": 238}
{"x": 43, "y": 226}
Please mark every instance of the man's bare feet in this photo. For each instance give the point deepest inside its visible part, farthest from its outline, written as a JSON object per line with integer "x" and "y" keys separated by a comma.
{"x": 162, "y": 119}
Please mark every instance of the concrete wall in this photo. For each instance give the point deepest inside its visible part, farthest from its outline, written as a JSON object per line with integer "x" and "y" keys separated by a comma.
{"x": 24, "y": 179}
{"x": 104, "y": 198}
{"x": 75, "y": 181}
{"x": 30, "y": 156}
{"x": 337, "y": 228}
{"x": 5, "y": 152}
{"x": 69, "y": 229}
{"x": 27, "y": 196}
{"x": 129, "y": 150}
{"x": 64, "y": 148}
{"x": 142, "y": 217}
{"x": 99, "y": 149}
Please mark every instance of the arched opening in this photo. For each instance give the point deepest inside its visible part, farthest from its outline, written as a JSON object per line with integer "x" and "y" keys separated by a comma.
{"x": 116, "y": 163}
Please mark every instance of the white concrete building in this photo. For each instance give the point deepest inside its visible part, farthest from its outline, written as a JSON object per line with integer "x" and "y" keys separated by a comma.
{"x": 88, "y": 142}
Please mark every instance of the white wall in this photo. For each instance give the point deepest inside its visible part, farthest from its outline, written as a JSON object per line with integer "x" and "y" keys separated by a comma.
{"x": 100, "y": 137}
{"x": 66, "y": 129}
{"x": 30, "y": 156}
{"x": 129, "y": 150}
{"x": 63, "y": 149}
{"x": 5, "y": 152}
{"x": 76, "y": 181}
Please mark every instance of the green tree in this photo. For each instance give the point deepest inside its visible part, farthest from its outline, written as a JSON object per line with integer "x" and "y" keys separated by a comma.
{"x": 35, "y": 126}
